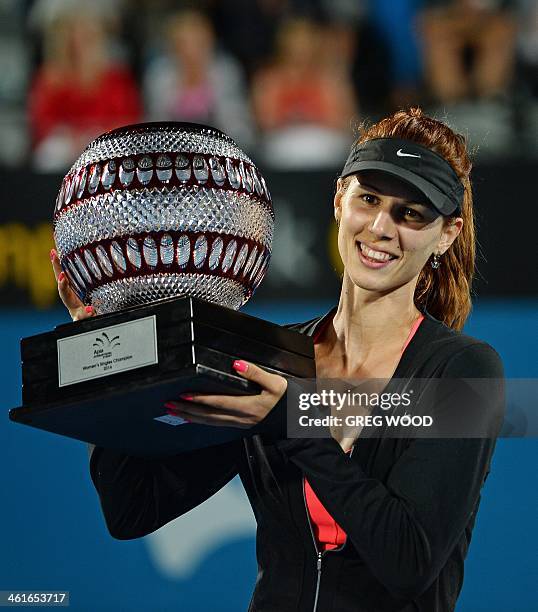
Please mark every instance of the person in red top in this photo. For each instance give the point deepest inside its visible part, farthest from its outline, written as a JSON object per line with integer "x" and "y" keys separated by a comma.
{"x": 78, "y": 92}
{"x": 298, "y": 86}
{"x": 302, "y": 104}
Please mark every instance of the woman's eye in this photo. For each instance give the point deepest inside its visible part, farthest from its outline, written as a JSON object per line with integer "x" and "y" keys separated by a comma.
{"x": 410, "y": 213}
{"x": 369, "y": 198}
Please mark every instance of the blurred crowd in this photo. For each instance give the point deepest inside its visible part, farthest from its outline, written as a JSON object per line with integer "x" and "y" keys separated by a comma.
{"x": 288, "y": 79}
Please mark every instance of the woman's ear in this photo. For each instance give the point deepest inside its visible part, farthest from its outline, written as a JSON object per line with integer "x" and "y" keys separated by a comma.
{"x": 449, "y": 234}
{"x": 338, "y": 199}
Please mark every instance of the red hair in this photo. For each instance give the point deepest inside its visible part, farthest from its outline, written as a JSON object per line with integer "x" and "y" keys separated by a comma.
{"x": 445, "y": 292}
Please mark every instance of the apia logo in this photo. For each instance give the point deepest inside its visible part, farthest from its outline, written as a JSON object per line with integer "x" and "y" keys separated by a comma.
{"x": 107, "y": 342}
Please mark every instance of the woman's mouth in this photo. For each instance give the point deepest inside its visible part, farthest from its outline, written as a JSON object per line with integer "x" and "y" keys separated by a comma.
{"x": 372, "y": 258}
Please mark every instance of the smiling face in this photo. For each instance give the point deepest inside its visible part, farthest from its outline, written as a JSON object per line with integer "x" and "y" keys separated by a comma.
{"x": 388, "y": 230}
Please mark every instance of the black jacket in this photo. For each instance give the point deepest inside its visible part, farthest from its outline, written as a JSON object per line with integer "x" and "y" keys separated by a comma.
{"x": 408, "y": 506}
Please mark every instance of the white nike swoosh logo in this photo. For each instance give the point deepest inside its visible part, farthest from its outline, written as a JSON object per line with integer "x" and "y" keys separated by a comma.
{"x": 400, "y": 153}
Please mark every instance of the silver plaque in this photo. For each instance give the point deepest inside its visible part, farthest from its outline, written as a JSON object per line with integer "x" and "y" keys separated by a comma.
{"x": 106, "y": 351}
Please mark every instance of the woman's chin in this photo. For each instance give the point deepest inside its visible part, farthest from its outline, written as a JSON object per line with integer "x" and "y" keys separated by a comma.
{"x": 367, "y": 283}
{"x": 379, "y": 284}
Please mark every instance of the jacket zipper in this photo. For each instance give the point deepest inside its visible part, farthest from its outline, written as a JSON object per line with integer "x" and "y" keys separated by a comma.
{"x": 319, "y": 553}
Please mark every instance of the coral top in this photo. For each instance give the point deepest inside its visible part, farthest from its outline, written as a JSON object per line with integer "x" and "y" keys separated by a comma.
{"x": 327, "y": 531}
{"x": 55, "y": 103}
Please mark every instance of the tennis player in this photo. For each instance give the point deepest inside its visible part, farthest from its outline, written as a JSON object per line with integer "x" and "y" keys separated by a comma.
{"x": 349, "y": 522}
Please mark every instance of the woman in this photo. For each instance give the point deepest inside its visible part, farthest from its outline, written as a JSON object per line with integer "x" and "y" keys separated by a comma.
{"x": 194, "y": 80}
{"x": 301, "y": 102}
{"x": 80, "y": 90}
{"x": 387, "y": 526}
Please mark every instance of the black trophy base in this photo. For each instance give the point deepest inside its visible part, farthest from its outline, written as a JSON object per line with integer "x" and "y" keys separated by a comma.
{"x": 105, "y": 380}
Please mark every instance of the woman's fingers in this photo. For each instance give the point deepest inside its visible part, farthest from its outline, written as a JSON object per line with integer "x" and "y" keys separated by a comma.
{"x": 232, "y": 410}
{"x": 56, "y": 267}
{"x": 230, "y": 405}
{"x": 207, "y": 415}
{"x": 273, "y": 388}
{"x": 67, "y": 295}
{"x": 272, "y": 383}
{"x": 77, "y": 309}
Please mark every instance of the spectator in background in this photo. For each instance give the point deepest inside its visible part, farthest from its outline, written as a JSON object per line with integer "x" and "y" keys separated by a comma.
{"x": 303, "y": 105}
{"x": 194, "y": 81}
{"x": 79, "y": 91}
{"x": 247, "y": 28}
{"x": 526, "y": 85}
{"x": 469, "y": 49}
{"x": 528, "y": 46}
{"x": 390, "y": 32}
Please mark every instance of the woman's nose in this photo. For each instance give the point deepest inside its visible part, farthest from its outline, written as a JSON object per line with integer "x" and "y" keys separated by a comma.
{"x": 382, "y": 225}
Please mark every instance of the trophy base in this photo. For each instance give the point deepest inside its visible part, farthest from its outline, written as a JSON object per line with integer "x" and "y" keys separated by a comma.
{"x": 135, "y": 421}
{"x": 105, "y": 380}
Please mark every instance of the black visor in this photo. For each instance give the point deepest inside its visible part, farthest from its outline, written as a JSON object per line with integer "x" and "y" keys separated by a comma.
{"x": 419, "y": 166}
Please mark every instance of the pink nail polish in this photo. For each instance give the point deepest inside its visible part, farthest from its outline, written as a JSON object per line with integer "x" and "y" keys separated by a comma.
{"x": 52, "y": 254}
{"x": 186, "y": 396}
{"x": 240, "y": 365}
{"x": 175, "y": 414}
{"x": 61, "y": 276}
{"x": 89, "y": 309}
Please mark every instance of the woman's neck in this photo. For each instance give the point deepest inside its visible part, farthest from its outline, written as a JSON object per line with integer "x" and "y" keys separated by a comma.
{"x": 369, "y": 324}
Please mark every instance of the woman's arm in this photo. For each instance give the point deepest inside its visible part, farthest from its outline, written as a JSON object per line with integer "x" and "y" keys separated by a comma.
{"x": 138, "y": 495}
{"x": 406, "y": 527}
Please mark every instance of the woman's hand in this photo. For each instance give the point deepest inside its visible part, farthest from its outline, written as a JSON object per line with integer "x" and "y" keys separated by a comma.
{"x": 72, "y": 302}
{"x": 242, "y": 411}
